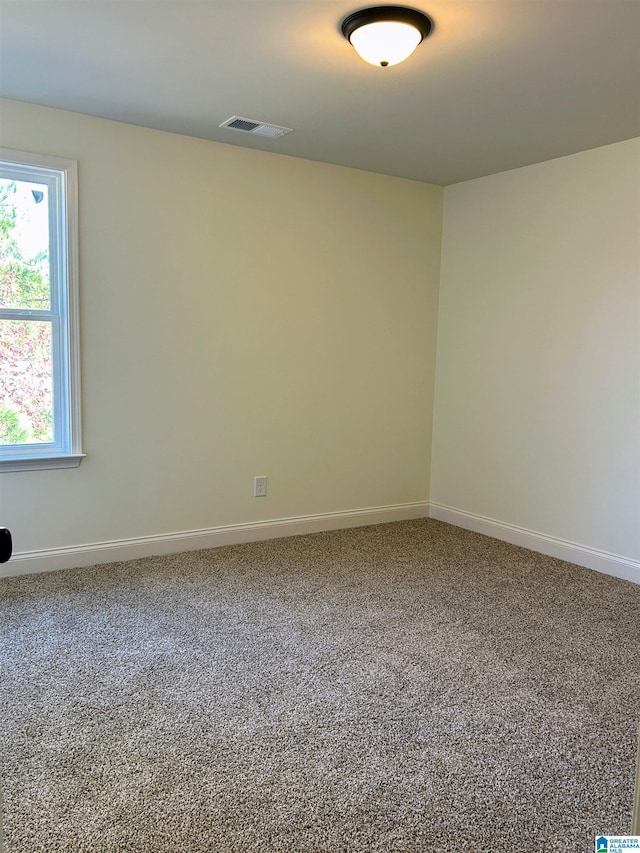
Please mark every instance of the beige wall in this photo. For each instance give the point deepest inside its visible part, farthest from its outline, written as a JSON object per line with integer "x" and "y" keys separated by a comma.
{"x": 247, "y": 313}
{"x": 537, "y": 408}
{"x": 242, "y": 313}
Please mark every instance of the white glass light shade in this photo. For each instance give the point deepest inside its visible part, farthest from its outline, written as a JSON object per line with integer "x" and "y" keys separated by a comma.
{"x": 385, "y": 42}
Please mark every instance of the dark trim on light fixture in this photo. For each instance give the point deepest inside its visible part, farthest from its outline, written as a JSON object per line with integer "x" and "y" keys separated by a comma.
{"x": 373, "y": 14}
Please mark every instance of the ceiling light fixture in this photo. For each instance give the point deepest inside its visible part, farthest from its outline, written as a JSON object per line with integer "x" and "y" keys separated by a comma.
{"x": 386, "y": 35}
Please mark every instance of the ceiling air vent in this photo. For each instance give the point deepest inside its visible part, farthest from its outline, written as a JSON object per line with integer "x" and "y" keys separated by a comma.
{"x": 257, "y": 128}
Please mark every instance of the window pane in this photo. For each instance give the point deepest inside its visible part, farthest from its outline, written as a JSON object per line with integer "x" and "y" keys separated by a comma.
{"x": 26, "y": 382}
{"x": 24, "y": 245}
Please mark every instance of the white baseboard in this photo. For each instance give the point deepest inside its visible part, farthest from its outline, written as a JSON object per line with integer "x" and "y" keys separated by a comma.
{"x": 591, "y": 558}
{"x": 52, "y": 559}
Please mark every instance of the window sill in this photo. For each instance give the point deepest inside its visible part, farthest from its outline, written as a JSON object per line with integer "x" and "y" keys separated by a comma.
{"x": 40, "y": 463}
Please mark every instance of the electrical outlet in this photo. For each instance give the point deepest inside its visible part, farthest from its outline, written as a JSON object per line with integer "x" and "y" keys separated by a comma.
{"x": 260, "y": 487}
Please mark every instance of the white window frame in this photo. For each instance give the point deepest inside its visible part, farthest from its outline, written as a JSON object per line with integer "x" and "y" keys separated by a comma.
{"x": 61, "y": 178}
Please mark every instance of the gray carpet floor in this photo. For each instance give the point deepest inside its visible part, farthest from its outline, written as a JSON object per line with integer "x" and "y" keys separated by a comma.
{"x": 404, "y": 687}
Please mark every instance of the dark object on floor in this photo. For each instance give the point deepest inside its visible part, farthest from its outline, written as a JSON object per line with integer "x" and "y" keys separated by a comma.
{"x": 6, "y": 545}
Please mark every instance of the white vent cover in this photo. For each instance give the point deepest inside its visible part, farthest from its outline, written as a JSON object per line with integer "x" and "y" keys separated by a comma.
{"x": 258, "y": 128}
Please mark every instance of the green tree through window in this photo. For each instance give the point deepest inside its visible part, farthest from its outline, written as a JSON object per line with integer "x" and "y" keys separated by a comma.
{"x": 39, "y": 353}
{"x": 26, "y": 391}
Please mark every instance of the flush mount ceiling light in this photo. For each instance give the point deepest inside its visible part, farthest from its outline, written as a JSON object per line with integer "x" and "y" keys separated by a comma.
{"x": 386, "y": 35}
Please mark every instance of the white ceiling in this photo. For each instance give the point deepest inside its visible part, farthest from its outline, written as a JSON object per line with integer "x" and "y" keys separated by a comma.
{"x": 498, "y": 84}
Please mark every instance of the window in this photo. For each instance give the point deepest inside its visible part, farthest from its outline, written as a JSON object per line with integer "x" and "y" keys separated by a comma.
{"x": 39, "y": 355}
